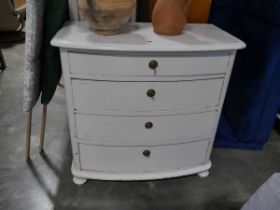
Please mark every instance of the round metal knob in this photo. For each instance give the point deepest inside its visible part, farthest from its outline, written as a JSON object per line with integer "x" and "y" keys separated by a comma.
{"x": 149, "y": 125}
{"x": 153, "y": 64}
{"x": 146, "y": 153}
{"x": 151, "y": 93}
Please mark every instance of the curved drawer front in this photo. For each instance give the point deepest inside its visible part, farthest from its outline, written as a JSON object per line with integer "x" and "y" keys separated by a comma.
{"x": 192, "y": 96}
{"x": 116, "y": 65}
{"x": 142, "y": 159}
{"x": 144, "y": 130}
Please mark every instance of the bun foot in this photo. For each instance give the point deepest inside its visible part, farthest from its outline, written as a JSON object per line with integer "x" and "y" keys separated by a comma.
{"x": 203, "y": 174}
{"x": 79, "y": 181}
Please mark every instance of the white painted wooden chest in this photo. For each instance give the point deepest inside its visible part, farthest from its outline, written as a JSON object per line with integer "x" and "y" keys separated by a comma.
{"x": 143, "y": 106}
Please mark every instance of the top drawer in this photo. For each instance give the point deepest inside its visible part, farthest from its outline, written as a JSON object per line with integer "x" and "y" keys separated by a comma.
{"x": 142, "y": 66}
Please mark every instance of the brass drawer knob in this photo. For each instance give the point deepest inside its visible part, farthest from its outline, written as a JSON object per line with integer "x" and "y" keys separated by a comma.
{"x": 151, "y": 93}
{"x": 149, "y": 125}
{"x": 146, "y": 153}
{"x": 153, "y": 64}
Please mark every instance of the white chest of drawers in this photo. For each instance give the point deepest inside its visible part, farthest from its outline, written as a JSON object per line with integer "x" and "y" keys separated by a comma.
{"x": 143, "y": 106}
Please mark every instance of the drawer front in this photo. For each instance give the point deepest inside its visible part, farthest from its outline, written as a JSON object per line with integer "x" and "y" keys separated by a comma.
{"x": 113, "y": 65}
{"x": 144, "y": 130}
{"x": 142, "y": 159}
{"x": 192, "y": 96}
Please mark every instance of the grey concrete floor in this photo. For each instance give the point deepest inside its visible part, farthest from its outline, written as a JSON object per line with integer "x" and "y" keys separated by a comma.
{"x": 45, "y": 183}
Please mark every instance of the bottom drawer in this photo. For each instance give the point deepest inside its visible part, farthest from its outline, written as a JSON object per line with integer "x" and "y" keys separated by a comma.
{"x": 142, "y": 159}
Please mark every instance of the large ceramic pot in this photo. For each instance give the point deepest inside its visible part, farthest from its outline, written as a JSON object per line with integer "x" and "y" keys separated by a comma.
{"x": 106, "y": 16}
{"x": 169, "y": 16}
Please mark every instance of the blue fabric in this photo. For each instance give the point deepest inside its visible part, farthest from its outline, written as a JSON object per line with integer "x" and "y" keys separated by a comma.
{"x": 227, "y": 14}
{"x": 253, "y": 97}
{"x": 227, "y": 3}
{"x": 267, "y": 10}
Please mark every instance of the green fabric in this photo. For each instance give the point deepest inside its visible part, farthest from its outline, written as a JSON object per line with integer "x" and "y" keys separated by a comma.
{"x": 56, "y": 13}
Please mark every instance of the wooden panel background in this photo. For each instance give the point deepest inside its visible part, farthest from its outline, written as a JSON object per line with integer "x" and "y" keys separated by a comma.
{"x": 19, "y": 2}
{"x": 198, "y": 12}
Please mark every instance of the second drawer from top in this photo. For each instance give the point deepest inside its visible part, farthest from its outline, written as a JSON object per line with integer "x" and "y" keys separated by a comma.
{"x": 191, "y": 96}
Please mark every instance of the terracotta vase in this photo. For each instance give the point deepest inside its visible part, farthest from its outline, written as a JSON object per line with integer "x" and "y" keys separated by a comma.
{"x": 106, "y": 17}
{"x": 169, "y": 16}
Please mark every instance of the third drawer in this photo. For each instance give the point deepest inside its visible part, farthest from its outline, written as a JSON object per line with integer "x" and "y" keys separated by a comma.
{"x": 144, "y": 130}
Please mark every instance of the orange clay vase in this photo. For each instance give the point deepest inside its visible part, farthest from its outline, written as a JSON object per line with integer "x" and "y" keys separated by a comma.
{"x": 169, "y": 16}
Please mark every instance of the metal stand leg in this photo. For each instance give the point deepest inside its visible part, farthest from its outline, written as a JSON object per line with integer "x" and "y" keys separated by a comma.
{"x": 28, "y": 135}
{"x": 43, "y": 126}
{"x": 2, "y": 61}
{"x": 277, "y": 123}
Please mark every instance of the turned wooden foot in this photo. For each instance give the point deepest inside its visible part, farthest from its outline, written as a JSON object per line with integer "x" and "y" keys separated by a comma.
{"x": 79, "y": 181}
{"x": 203, "y": 174}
